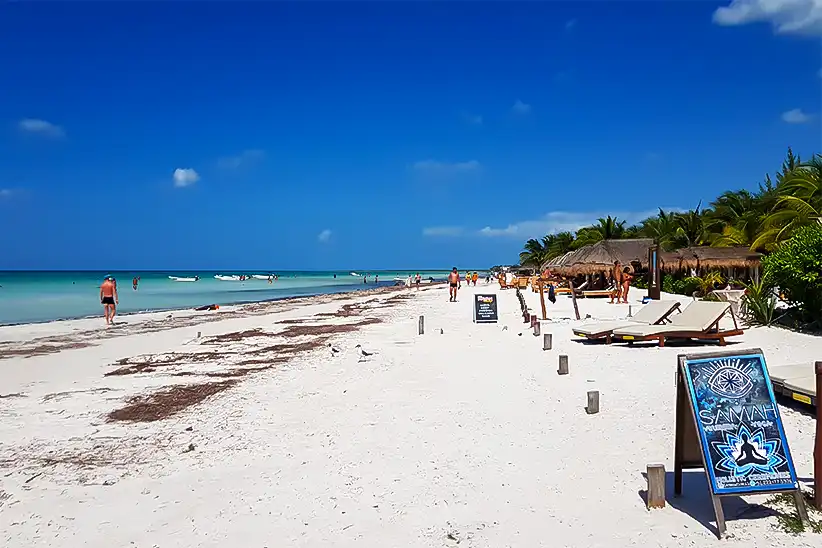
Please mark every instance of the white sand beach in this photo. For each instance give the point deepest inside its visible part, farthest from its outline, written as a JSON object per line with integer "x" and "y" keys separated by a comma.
{"x": 463, "y": 436}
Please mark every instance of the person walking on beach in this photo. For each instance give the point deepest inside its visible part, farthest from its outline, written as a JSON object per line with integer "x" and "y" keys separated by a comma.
{"x": 616, "y": 273}
{"x": 453, "y": 284}
{"x": 417, "y": 280}
{"x": 474, "y": 278}
{"x": 109, "y": 298}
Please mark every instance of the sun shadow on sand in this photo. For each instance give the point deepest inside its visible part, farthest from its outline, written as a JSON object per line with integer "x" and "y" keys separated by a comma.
{"x": 695, "y": 501}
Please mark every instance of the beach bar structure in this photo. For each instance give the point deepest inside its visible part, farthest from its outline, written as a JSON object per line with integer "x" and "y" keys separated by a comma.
{"x": 731, "y": 260}
{"x": 600, "y": 257}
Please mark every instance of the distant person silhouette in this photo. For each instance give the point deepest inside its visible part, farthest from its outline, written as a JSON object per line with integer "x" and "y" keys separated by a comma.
{"x": 749, "y": 454}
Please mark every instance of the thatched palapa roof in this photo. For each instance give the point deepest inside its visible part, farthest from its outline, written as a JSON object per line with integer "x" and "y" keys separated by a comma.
{"x": 600, "y": 256}
{"x": 709, "y": 257}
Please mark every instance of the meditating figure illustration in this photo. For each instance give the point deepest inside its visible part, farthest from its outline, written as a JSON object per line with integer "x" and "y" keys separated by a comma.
{"x": 749, "y": 454}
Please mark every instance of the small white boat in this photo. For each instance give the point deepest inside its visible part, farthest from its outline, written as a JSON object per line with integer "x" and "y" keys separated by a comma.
{"x": 181, "y": 279}
{"x": 261, "y": 276}
{"x": 227, "y": 278}
{"x": 355, "y": 274}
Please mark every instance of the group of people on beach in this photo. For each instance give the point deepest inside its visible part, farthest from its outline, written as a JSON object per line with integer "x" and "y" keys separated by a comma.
{"x": 622, "y": 283}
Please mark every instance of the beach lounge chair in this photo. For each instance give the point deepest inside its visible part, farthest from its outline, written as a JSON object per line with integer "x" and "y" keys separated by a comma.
{"x": 655, "y": 312}
{"x": 522, "y": 283}
{"x": 781, "y": 373}
{"x": 699, "y": 320}
{"x": 797, "y": 382}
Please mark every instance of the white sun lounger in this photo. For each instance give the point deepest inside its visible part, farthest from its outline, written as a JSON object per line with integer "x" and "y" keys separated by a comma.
{"x": 699, "y": 320}
{"x": 781, "y": 373}
{"x": 802, "y": 389}
{"x": 654, "y": 312}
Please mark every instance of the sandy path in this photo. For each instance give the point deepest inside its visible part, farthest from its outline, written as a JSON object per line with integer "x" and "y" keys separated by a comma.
{"x": 466, "y": 436}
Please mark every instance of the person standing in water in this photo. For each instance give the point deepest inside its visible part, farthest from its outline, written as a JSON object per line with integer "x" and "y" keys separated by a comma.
{"x": 453, "y": 284}
{"x": 134, "y": 282}
{"x": 109, "y": 298}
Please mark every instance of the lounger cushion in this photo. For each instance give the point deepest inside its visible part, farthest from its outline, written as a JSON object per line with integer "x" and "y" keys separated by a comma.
{"x": 697, "y": 318}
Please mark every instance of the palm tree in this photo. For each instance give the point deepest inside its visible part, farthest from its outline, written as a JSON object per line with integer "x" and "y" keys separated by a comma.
{"x": 609, "y": 228}
{"x": 560, "y": 244}
{"x": 661, "y": 228}
{"x": 735, "y": 218}
{"x": 535, "y": 253}
{"x": 799, "y": 203}
{"x": 690, "y": 229}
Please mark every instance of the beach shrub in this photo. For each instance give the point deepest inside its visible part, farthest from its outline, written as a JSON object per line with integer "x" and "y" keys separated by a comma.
{"x": 668, "y": 283}
{"x": 758, "y": 304}
{"x": 795, "y": 267}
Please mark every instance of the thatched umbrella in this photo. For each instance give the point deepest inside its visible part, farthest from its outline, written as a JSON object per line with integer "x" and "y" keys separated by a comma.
{"x": 600, "y": 256}
{"x": 710, "y": 257}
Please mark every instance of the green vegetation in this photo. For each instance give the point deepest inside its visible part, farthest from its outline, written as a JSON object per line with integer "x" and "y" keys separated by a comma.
{"x": 782, "y": 219}
{"x": 787, "y": 518}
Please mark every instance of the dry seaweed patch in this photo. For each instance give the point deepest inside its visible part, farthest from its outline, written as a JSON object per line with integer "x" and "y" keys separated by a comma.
{"x": 56, "y": 395}
{"x": 13, "y": 395}
{"x": 41, "y": 350}
{"x": 237, "y": 336}
{"x": 290, "y": 349}
{"x": 148, "y": 364}
{"x": 303, "y": 330}
{"x": 298, "y": 320}
{"x": 167, "y": 402}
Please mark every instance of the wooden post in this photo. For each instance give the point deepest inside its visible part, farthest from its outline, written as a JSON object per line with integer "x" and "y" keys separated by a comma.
{"x": 199, "y": 333}
{"x": 422, "y": 325}
{"x": 536, "y": 329}
{"x": 630, "y": 312}
{"x": 563, "y": 365}
{"x": 574, "y": 297}
{"x": 542, "y": 298}
{"x": 593, "y": 402}
{"x": 817, "y": 447}
{"x": 546, "y": 341}
{"x": 533, "y": 320}
{"x": 655, "y": 497}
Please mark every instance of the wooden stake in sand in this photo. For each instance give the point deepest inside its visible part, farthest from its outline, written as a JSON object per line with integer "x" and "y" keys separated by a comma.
{"x": 199, "y": 334}
{"x": 656, "y": 486}
{"x": 536, "y": 329}
{"x": 541, "y": 283}
{"x": 533, "y": 320}
{"x": 593, "y": 402}
{"x": 563, "y": 365}
{"x": 422, "y": 325}
{"x": 574, "y": 297}
{"x": 817, "y": 447}
{"x": 546, "y": 341}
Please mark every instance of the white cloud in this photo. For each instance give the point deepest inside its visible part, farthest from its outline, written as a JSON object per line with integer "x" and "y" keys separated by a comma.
{"x": 244, "y": 158}
{"x": 560, "y": 221}
{"x": 796, "y": 116}
{"x": 41, "y": 127}
{"x": 324, "y": 236}
{"x": 185, "y": 177}
{"x": 443, "y": 168}
{"x": 442, "y": 231}
{"x": 786, "y": 16}
{"x": 521, "y": 108}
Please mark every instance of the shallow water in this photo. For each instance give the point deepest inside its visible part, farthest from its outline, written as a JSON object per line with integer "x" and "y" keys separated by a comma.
{"x": 44, "y": 296}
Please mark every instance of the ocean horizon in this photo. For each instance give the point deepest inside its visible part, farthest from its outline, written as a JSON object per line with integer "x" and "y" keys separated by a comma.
{"x": 37, "y": 296}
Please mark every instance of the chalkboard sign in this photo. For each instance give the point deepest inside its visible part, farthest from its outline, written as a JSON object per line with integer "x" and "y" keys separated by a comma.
{"x": 485, "y": 309}
{"x": 727, "y": 415}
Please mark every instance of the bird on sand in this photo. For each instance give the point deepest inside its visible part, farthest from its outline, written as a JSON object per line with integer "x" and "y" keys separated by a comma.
{"x": 363, "y": 353}
{"x": 334, "y": 349}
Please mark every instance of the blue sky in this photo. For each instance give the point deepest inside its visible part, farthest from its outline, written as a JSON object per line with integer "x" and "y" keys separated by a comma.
{"x": 382, "y": 134}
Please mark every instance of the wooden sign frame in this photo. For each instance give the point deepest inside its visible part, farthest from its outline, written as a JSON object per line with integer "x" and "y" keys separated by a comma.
{"x": 691, "y": 450}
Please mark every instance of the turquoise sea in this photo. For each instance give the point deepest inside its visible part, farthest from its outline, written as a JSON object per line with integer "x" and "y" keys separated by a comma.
{"x": 27, "y": 297}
